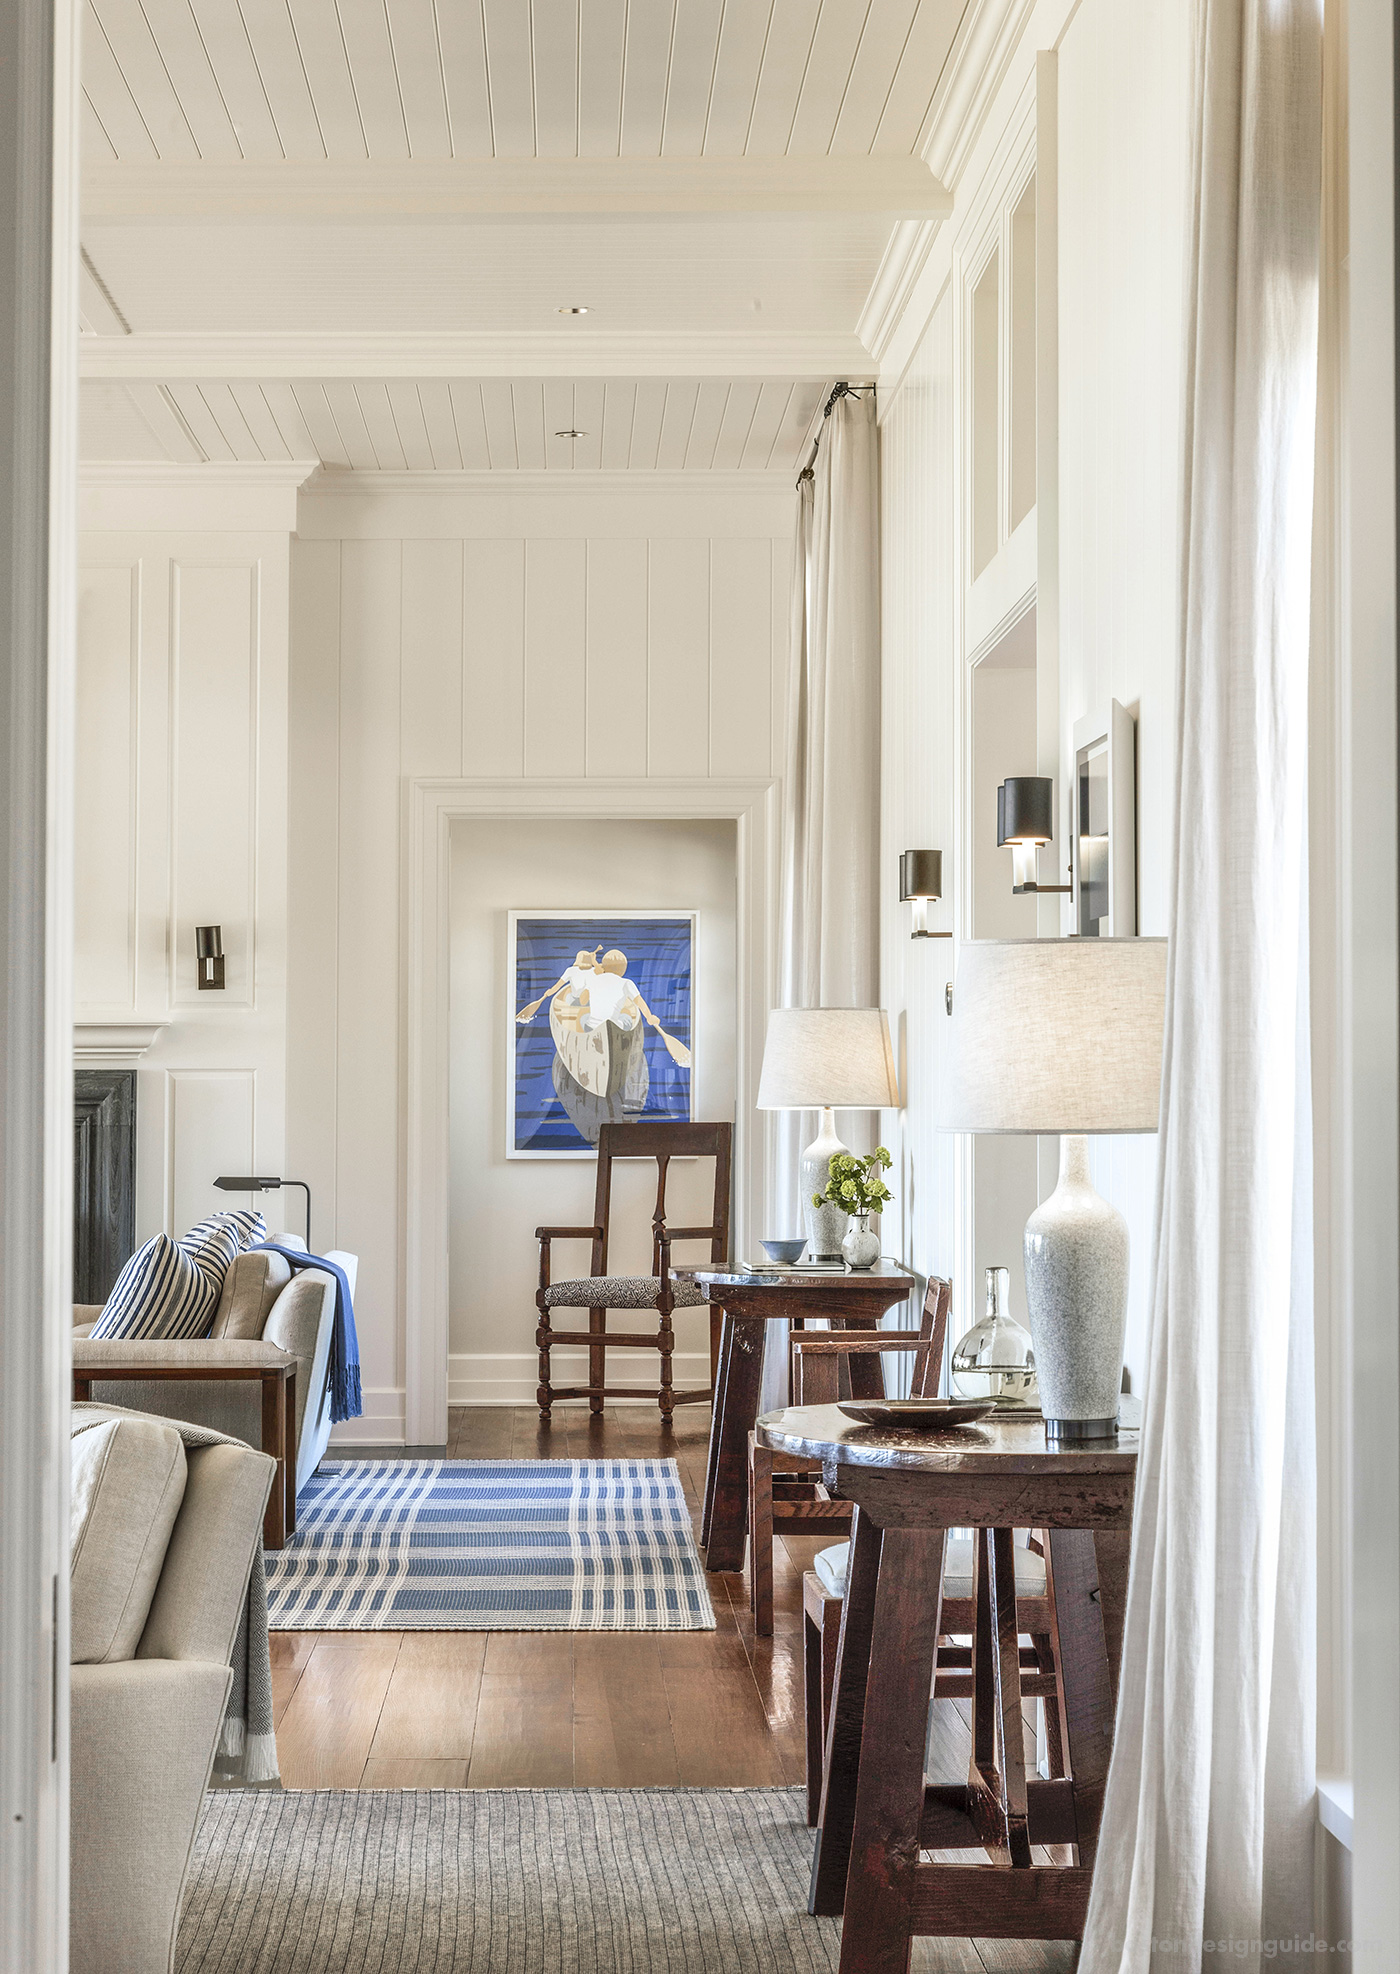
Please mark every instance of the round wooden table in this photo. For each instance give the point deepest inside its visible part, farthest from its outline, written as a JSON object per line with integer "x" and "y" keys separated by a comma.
{"x": 909, "y": 1488}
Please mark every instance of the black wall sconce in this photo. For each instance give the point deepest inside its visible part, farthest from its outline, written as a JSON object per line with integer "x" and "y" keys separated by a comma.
{"x": 209, "y": 949}
{"x": 268, "y": 1186}
{"x": 921, "y": 883}
{"x": 1025, "y": 820}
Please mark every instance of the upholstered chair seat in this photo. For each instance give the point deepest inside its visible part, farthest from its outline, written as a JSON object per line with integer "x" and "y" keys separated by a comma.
{"x": 620, "y": 1292}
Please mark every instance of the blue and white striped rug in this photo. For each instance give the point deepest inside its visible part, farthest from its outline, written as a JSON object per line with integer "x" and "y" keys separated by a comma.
{"x": 491, "y": 1545}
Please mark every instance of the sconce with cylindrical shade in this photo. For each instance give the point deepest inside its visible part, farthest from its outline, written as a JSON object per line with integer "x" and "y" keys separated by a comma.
{"x": 920, "y": 885}
{"x": 209, "y": 951}
{"x": 1026, "y": 820}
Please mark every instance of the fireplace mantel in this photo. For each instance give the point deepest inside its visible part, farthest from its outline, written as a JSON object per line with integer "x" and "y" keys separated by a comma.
{"x": 115, "y": 1042}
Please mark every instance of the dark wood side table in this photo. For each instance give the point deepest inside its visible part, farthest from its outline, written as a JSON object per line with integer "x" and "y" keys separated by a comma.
{"x": 278, "y": 1379}
{"x": 850, "y": 1300}
{"x": 877, "y": 1813}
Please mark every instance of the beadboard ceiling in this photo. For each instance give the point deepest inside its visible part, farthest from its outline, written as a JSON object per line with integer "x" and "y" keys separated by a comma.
{"x": 347, "y": 230}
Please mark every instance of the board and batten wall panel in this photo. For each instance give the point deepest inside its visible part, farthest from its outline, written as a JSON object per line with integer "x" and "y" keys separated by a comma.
{"x": 918, "y": 470}
{"x": 182, "y": 772}
{"x": 1124, "y": 185}
{"x": 107, "y": 744}
{"x": 580, "y": 636}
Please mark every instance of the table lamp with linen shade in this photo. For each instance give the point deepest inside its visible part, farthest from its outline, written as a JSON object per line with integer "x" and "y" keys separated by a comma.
{"x": 826, "y": 1059}
{"x": 1063, "y": 1037}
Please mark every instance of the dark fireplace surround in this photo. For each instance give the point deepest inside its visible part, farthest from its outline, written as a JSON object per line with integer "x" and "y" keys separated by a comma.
{"x": 104, "y": 1179}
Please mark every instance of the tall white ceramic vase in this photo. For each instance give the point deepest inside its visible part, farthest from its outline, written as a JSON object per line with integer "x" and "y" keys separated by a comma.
{"x": 826, "y": 1225}
{"x": 1076, "y": 1250}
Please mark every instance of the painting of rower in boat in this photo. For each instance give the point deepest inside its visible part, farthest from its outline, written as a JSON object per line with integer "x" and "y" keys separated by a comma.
{"x": 601, "y": 1026}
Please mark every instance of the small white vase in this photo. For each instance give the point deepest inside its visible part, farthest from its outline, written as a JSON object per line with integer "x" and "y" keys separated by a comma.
{"x": 860, "y": 1247}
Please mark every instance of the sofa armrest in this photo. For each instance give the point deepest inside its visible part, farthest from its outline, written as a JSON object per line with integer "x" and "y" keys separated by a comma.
{"x": 143, "y": 1739}
{"x": 199, "y": 1599}
{"x": 196, "y": 1357}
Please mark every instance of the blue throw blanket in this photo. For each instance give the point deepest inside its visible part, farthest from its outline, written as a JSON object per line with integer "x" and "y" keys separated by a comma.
{"x": 345, "y": 1345}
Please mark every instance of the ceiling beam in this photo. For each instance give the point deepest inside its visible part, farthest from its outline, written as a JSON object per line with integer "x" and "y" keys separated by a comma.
{"x": 791, "y": 356}
{"x": 426, "y": 189}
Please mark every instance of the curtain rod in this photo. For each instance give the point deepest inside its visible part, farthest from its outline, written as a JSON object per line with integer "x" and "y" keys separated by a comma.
{"x": 838, "y": 391}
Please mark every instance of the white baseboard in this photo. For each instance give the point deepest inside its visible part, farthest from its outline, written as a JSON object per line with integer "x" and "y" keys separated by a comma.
{"x": 380, "y": 1424}
{"x": 512, "y": 1378}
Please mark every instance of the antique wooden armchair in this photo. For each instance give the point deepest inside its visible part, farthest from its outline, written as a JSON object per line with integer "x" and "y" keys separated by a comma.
{"x": 661, "y": 1292}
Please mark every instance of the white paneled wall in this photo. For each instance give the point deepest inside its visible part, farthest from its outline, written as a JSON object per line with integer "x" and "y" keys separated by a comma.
{"x": 617, "y": 636}
{"x": 1124, "y": 167}
{"x": 182, "y": 821}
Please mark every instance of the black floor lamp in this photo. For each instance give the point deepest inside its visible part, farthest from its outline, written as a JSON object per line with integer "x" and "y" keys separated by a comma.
{"x": 268, "y": 1186}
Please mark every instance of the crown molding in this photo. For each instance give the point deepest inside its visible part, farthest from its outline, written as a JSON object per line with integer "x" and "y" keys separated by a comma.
{"x": 228, "y": 474}
{"x": 562, "y": 481}
{"x": 983, "y": 48}
{"x": 790, "y": 356}
{"x": 388, "y": 190}
{"x": 905, "y": 259}
{"x": 130, "y": 496}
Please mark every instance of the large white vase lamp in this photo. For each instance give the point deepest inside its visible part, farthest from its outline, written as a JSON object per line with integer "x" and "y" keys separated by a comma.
{"x": 826, "y": 1059}
{"x": 1063, "y": 1037}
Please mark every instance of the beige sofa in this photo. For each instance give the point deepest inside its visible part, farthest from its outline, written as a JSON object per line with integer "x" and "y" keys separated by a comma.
{"x": 163, "y": 1542}
{"x": 263, "y": 1303}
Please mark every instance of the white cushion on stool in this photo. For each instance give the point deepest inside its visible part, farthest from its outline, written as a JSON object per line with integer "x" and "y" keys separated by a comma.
{"x": 830, "y": 1566}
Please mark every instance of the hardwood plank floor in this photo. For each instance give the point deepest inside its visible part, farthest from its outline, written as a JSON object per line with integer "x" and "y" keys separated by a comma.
{"x": 522, "y": 1709}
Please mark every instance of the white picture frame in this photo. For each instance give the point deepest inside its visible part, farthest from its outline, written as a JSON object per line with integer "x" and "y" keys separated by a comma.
{"x": 1103, "y": 825}
{"x": 583, "y": 930}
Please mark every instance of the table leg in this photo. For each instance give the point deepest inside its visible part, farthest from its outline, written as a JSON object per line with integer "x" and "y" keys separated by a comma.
{"x": 82, "y": 1388}
{"x": 841, "y": 1765}
{"x": 274, "y": 1442}
{"x": 726, "y": 1488}
{"x": 717, "y": 1408}
{"x": 1086, "y": 1684}
{"x": 889, "y": 1809}
{"x": 289, "y": 1441}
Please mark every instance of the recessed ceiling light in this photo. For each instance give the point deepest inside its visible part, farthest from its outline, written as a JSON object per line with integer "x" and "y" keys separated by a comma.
{"x": 571, "y": 311}
{"x": 569, "y": 432}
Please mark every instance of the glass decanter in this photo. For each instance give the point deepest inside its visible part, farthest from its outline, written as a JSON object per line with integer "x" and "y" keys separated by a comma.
{"x": 995, "y": 1359}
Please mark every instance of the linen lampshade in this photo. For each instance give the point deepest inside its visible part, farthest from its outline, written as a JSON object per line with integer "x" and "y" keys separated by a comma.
{"x": 828, "y": 1059}
{"x": 1056, "y": 1036}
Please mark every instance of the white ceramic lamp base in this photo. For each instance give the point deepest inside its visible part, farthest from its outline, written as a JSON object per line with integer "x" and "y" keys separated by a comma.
{"x": 826, "y": 1225}
{"x": 1076, "y": 1251}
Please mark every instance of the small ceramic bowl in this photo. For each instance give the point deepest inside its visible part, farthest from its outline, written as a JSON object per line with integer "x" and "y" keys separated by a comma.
{"x": 786, "y": 1252}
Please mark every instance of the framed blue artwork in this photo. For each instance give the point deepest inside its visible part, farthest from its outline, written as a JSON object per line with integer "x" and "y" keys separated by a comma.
{"x": 601, "y": 1026}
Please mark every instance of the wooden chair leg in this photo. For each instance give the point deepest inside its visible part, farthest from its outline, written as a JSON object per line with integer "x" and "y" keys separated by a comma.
{"x": 1054, "y": 1746}
{"x": 813, "y": 1671}
{"x": 544, "y": 1397}
{"x": 668, "y": 1344}
{"x": 597, "y": 1359}
{"x": 761, "y": 1538}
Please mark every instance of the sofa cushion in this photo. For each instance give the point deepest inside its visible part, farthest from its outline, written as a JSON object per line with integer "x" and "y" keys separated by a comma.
{"x": 831, "y": 1564}
{"x": 251, "y": 1286}
{"x": 128, "y": 1483}
{"x": 172, "y": 1288}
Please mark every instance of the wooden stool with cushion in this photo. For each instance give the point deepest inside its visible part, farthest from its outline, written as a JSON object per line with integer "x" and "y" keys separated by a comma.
{"x": 660, "y": 1291}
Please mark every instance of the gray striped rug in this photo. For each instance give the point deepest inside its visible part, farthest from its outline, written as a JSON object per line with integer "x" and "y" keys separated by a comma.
{"x": 491, "y": 1545}
{"x": 504, "y": 1881}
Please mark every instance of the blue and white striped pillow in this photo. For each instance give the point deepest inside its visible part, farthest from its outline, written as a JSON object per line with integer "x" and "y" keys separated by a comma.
{"x": 169, "y": 1290}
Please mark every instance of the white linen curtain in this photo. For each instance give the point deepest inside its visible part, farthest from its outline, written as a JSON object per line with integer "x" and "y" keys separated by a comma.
{"x": 1208, "y": 1823}
{"x": 828, "y": 954}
